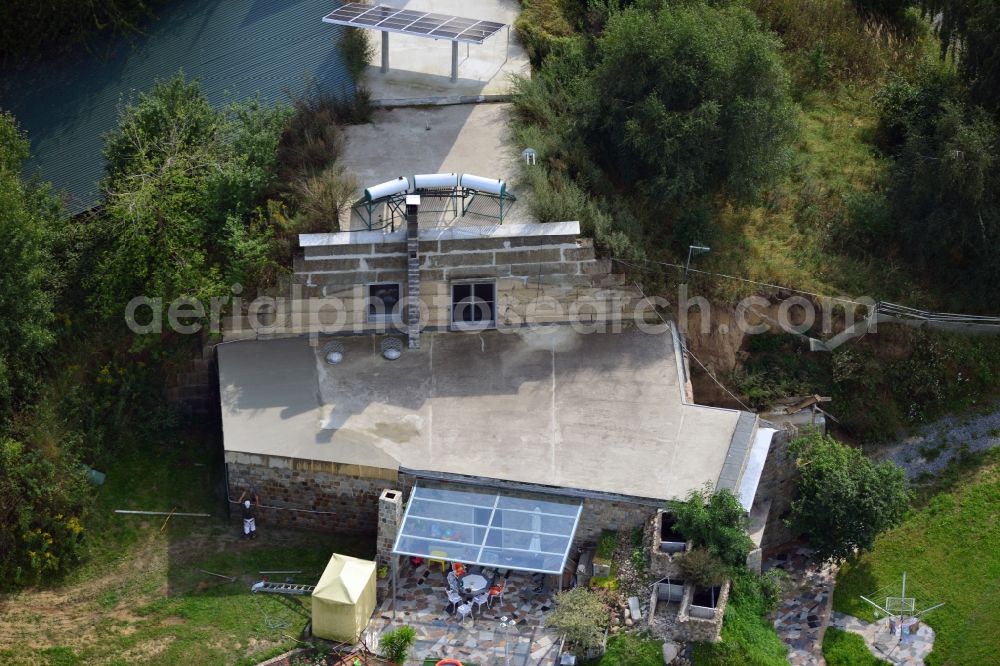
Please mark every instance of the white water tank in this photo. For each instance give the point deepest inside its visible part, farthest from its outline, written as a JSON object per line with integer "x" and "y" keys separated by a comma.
{"x": 488, "y": 185}
{"x": 426, "y": 181}
{"x": 387, "y": 188}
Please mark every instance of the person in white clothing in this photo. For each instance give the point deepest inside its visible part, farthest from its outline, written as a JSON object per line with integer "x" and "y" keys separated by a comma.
{"x": 249, "y": 510}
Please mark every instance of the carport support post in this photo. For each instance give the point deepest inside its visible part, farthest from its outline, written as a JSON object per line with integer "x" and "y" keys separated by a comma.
{"x": 395, "y": 567}
{"x": 385, "y": 51}
{"x": 454, "y": 61}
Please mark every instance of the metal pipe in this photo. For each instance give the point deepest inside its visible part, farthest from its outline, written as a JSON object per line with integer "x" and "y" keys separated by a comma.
{"x": 163, "y": 513}
{"x": 385, "y": 51}
{"x": 454, "y": 61}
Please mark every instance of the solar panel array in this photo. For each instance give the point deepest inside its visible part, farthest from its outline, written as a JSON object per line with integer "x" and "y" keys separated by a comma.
{"x": 413, "y": 22}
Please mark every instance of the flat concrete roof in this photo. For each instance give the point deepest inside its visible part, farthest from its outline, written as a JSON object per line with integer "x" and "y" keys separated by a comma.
{"x": 596, "y": 412}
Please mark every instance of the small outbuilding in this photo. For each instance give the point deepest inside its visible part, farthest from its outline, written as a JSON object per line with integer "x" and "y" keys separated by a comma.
{"x": 344, "y": 599}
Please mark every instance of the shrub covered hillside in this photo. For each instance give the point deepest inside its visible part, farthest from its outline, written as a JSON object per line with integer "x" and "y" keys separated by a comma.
{"x": 871, "y": 173}
{"x": 196, "y": 200}
{"x": 807, "y": 142}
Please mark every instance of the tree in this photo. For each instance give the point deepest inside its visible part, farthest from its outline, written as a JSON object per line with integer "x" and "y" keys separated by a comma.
{"x": 844, "y": 500}
{"x": 717, "y": 522}
{"x": 30, "y": 29}
{"x": 182, "y": 186}
{"x": 971, "y": 30}
{"x": 687, "y": 101}
{"x": 26, "y": 214}
{"x": 945, "y": 191}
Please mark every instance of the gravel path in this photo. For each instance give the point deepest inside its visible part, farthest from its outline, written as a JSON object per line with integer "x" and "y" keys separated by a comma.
{"x": 935, "y": 445}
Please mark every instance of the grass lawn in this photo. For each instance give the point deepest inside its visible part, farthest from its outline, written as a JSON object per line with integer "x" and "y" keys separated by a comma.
{"x": 141, "y": 598}
{"x": 842, "y": 648}
{"x": 748, "y": 639}
{"x": 631, "y": 650}
{"x": 951, "y": 548}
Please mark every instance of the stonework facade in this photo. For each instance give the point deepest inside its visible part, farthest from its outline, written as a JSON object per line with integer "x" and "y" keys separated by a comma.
{"x": 699, "y": 624}
{"x": 777, "y": 486}
{"x": 312, "y": 494}
{"x": 390, "y": 517}
{"x": 351, "y": 498}
{"x": 608, "y": 514}
{"x": 542, "y": 273}
{"x": 663, "y": 563}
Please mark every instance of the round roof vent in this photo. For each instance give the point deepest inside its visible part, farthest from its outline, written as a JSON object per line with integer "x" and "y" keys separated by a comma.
{"x": 333, "y": 352}
{"x": 392, "y": 348}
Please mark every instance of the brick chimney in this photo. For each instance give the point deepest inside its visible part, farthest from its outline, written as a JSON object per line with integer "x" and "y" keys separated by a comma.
{"x": 412, "y": 272}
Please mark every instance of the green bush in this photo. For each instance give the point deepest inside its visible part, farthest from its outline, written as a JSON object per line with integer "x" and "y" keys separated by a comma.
{"x": 357, "y": 50}
{"x": 40, "y": 504}
{"x": 685, "y": 102}
{"x": 541, "y": 25}
{"x": 702, "y": 568}
{"x": 395, "y": 645}
{"x": 581, "y": 616}
{"x": 843, "y": 500}
{"x": 715, "y": 521}
{"x": 607, "y": 544}
{"x": 325, "y": 199}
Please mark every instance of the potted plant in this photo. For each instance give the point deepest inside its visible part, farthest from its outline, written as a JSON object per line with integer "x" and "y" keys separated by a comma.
{"x": 395, "y": 645}
{"x": 582, "y": 617}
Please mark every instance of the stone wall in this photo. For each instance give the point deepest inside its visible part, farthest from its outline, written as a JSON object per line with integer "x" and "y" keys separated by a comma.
{"x": 777, "y": 486}
{"x": 312, "y": 494}
{"x": 542, "y": 274}
{"x": 390, "y": 518}
{"x": 607, "y": 514}
{"x": 350, "y": 498}
{"x": 698, "y": 629}
{"x": 662, "y": 564}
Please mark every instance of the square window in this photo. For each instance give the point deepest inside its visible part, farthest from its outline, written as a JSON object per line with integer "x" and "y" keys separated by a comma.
{"x": 473, "y": 305}
{"x": 383, "y": 302}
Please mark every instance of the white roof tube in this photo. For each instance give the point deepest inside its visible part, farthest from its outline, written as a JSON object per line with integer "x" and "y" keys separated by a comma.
{"x": 488, "y": 185}
{"x": 427, "y": 181}
{"x": 387, "y": 188}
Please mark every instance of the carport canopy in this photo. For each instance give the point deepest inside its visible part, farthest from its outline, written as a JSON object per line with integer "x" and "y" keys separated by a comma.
{"x": 489, "y": 527}
{"x": 415, "y": 23}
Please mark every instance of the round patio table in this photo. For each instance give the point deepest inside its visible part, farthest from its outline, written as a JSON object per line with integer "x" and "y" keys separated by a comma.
{"x": 472, "y": 585}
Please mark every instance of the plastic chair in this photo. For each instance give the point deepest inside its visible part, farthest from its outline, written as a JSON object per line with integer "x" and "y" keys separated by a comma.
{"x": 464, "y": 611}
{"x": 438, "y": 557}
{"x": 454, "y": 599}
{"x": 483, "y": 598}
{"x": 497, "y": 590}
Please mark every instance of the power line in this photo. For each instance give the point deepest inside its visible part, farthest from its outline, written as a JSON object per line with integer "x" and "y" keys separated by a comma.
{"x": 688, "y": 352}
{"x": 742, "y": 279}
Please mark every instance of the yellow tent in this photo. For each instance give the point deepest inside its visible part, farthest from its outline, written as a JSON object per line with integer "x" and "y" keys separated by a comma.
{"x": 344, "y": 599}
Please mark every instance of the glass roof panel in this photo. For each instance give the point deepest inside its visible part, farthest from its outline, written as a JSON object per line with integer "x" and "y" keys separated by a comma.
{"x": 530, "y": 532}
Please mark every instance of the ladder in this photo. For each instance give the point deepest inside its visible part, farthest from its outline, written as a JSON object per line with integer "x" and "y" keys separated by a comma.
{"x": 281, "y": 588}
